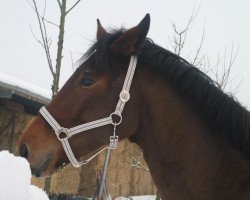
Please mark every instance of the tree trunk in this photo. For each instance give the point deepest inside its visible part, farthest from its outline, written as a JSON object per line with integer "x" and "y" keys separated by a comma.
{"x": 55, "y": 86}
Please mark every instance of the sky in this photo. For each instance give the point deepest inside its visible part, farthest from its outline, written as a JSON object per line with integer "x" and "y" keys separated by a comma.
{"x": 226, "y": 22}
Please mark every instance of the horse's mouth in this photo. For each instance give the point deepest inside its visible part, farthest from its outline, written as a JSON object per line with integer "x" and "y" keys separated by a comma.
{"x": 38, "y": 170}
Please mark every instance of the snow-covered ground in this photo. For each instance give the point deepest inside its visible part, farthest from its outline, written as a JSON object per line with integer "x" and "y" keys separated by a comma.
{"x": 145, "y": 197}
{"x": 15, "y": 179}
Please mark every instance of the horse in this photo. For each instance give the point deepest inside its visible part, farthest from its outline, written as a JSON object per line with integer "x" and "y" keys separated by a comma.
{"x": 194, "y": 137}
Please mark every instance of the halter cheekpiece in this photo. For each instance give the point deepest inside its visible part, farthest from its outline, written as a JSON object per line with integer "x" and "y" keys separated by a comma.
{"x": 63, "y": 134}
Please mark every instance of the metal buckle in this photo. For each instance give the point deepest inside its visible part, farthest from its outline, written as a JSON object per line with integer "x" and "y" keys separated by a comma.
{"x": 113, "y": 141}
{"x": 62, "y": 134}
{"x": 124, "y": 96}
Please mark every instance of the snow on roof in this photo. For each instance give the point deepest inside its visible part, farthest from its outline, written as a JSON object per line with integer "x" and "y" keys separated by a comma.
{"x": 24, "y": 89}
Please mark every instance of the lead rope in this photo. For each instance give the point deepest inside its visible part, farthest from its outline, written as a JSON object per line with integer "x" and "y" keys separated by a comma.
{"x": 63, "y": 134}
{"x": 105, "y": 167}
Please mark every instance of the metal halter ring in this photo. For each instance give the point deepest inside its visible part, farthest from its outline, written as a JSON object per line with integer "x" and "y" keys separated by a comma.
{"x": 115, "y": 115}
{"x": 62, "y": 134}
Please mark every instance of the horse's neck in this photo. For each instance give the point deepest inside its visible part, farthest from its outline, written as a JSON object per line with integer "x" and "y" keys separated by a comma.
{"x": 186, "y": 161}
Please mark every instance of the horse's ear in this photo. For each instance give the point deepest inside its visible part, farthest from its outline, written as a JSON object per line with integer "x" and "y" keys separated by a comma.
{"x": 101, "y": 32}
{"x": 130, "y": 41}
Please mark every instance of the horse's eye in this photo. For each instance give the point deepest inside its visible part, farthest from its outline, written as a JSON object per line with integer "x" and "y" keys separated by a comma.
{"x": 87, "y": 82}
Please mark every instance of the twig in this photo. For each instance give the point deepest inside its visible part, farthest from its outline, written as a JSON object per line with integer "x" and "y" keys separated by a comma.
{"x": 180, "y": 36}
{"x": 137, "y": 163}
{"x": 39, "y": 41}
{"x": 73, "y": 7}
{"x": 59, "y": 3}
{"x": 72, "y": 63}
{"x": 198, "y": 51}
{"x": 50, "y": 22}
{"x": 47, "y": 44}
{"x": 44, "y": 38}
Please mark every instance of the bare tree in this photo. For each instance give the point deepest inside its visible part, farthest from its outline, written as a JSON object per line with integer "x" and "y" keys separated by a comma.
{"x": 178, "y": 40}
{"x": 221, "y": 70}
{"x": 46, "y": 41}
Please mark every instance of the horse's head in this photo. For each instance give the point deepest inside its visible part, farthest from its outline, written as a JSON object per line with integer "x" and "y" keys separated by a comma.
{"x": 90, "y": 93}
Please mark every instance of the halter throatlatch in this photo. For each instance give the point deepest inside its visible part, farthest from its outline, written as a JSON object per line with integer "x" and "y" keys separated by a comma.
{"x": 63, "y": 134}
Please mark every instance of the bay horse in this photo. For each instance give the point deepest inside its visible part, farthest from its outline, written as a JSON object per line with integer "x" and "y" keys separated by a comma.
{"x": 194, "y": 137}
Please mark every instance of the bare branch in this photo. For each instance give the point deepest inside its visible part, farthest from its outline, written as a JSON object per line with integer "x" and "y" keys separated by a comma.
{"x": 180, "y": 36}
{"x": 227, "y": 67}
{"x": 47, "y": 45}
{"x": 44, "y": 38}
{"x": 78, "y": 1}
{"x": 44, "y": 8}
{"x": 198, "y": 51}
{"x": 221, "y": 70}
{"x": 30, "y": 5}
{"x": 191, "y": 19}
{"x": 50, "y": 22}
{"x": 236, "y": 89}
{"x": 137, "y": 163}
{"x": 72, "y": 62}
{"x": 49, "y": 42}
{"x": 43, "y": 16}
{"x": 39, "y": 41}
{"x": 59, "y": 3}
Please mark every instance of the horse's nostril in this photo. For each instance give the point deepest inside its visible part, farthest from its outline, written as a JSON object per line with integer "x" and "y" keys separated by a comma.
{"x": 24, "y": 151}
{"x": 36, "y": 172}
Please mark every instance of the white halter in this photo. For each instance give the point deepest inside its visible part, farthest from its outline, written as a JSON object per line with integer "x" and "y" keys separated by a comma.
{"x": 63, "y": 134}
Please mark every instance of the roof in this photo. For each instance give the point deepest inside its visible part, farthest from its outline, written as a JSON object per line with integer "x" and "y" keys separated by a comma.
{"x": 30, "y": 96}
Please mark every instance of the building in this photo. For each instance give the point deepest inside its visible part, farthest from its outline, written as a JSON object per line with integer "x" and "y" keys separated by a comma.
{"x": 23, "y": 93}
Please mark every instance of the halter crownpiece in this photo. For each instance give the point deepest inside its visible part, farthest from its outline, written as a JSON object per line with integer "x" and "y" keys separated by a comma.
{"x": 63, "y": 134}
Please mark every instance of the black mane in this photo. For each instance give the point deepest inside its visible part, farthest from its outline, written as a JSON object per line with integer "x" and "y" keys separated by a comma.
{"x": 219, "y": 111}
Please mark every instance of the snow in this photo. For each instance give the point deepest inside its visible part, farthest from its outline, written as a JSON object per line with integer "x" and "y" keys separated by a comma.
{"x": 15, "y": 179}
{"x": 10, "y": 80}
{"x": 144, "y": 197}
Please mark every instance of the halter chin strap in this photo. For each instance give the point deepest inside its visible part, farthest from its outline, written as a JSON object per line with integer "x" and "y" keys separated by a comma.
{"x": 63, "y": 134}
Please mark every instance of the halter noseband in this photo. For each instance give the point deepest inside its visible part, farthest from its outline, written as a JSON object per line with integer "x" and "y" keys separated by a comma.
{"x": 63, "y": 134}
